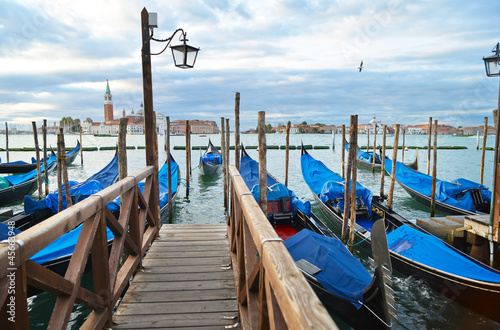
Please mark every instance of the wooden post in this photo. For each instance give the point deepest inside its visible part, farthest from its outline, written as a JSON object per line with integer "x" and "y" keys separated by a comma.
{"x": 237, "y": 130}
{"x": 403, "y": 147}
{"x": 477, "y": 139}
{"x": 353, "y": 136}
{"x": 262, "y": 162}
{"x": 393, "y": 170}
{"x": 434, "y": 171}
{"x": 59, "y": 175}
{"x": 429, "y": 147}
{"x": 368, "y": 142}
{"x": 343, "y": 152}
{"x": 7, "y": 140}
{"x": 484, "y": 148}
{"x": 287, "y": 150}
{"x": 374, "y": 147}
{"x": 382, "y": 170}
{"x": 45, "y": 171}
{"x": 224, "y": 162}
{"x": 81, "y": 146}
{"x": 228, "y": 143}
{"x": 37, "y": 155}
{"x": 169, "y": 169}
{"x": 149, "y": 116}
{"x": 188, "y": 156}
{"x": 122, "y": 148}
{"x": 333, "y": 138}
{"x": 347, "y": 191}
{"x": 62, "y": 172}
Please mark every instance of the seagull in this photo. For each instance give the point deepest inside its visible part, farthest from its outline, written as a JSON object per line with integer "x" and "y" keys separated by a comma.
{"x": 361, "y": 66}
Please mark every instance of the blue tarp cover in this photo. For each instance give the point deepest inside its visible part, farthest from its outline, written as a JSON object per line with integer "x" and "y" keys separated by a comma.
{"x": 365, "y": 156}
{"x": 20, "y": 178}
{"x": 212, "y": 158}
{"x": 431, "y": 251}
{"x": 78, "y": 191}
{"x": 446, "y": 192}
{"x": 249, "y": 170}
{"x": 327, "y": 184}
{"x": 342, "y": 274}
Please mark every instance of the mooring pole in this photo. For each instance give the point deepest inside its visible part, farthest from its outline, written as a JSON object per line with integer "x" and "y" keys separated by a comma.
{"x": 224, "y": 162}
{"x": 228, "y": 143}
{"x": 237, "y": 130}
{"x": 382, "y": 170}
{"x": 434, "y": 171}
{"x": 7, "y": 140}
{"x": 374, "y": 147}
{"x": 354, "y": 136}
{"x": 81, "y": 146}
{"x": 343, "y": 151}
{"x": 429, "y": 147}
{"x": 333, "y": 138}
{"x": 403, "y": 147}
{"x": 169, "y": 169}
{"x": 59, "y": 175}
{"x": 287, "y": 151}
{"x": 37, "y": 155}
{"x": 122, "y": 149}
{"x": 485, "y": 131}
{"x": 368, "y": 141}
{"x": 45, "y": 171}
{"x": 188, "y": 156}
{"x": 393, "y": 170}
{"x": 347, "y": 191}
{"x": 262, "y": 162}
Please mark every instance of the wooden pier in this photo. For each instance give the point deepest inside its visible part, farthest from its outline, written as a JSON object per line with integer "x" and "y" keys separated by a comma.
{"x": 186, "y": 281}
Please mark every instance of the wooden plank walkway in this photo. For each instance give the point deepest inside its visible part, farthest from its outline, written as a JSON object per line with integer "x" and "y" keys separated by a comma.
{"x": 184, "y": 283}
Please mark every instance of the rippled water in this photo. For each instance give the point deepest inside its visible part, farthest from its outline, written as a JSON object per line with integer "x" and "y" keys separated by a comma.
{"x": 418, "y": 306}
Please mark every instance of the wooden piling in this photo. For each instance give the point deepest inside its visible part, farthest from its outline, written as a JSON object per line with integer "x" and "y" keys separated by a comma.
{"x": 434, "y": 171}
{"x": 122, "y": 148}
{"x": 262, "y": 162}
{"x": 224, "y": 162}
{"x": 374, "y": 147}
{"x": 343, "y": 151}
{"x": 347, "y": 190}
{"x": 403, "y": 147}
{"x": 226, "y": 150}
{"x": 393, "y": 170}
{"x": 237, "y": 130}
{"x": 485, "y": 131}
{"x": 169, "y": 169}
{"x": 45, "y": 171}
{"x": 81, "y": 146}
{"x": 37, "y": 155}
{"x": 368, "y": 140}
{"x": 382, "y": 170}
{"x": 477, "y": 140}
{"x": 353, "y": 136}
{"x": 287, "y": 137}
{"x": 333, "y": 139}
{"x": 188, "y": 156}
{"x": 429, "y": 147}
{"x": 7, "y": 141}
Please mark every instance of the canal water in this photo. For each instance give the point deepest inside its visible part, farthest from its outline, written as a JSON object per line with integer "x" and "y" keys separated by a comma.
{"x": 418, "y": 306}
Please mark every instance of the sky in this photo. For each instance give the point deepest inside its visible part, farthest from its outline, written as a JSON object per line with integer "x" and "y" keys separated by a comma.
{"x": 296, "y": 60}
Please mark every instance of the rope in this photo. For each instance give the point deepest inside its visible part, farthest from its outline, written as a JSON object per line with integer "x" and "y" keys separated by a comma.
{"x": 48, "y": 181}
{"x": 191, "y": 171}
{"x": 181, "y": 181}
{"x": 356, "y": 244}
{"x": 387, "y": 325}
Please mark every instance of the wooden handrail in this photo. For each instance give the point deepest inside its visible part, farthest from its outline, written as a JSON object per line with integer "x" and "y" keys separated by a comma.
{"x": 109, "y": 278}
{"x": 271, "y": 291}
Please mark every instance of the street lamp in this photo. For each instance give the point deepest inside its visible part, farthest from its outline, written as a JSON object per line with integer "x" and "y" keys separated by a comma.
{"x": 492, "y": 66}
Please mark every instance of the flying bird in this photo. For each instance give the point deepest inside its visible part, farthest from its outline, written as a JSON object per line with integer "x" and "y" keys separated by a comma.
{"x": 361, "y": 66}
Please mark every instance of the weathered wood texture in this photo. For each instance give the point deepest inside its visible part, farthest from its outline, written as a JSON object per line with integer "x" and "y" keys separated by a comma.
{"x": 271, "y": 291}
{"x": 185, "y": 282}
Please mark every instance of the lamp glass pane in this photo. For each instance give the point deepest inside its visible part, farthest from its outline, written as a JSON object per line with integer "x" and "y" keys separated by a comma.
{"x": 493, "y": 66}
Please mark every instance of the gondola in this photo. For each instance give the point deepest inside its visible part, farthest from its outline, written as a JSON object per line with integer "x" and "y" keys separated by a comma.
{"x": 365, "y": 159}
{"x": 414, "y": 252}
{"x": 339, "y": 279}
{"x": 13, "y": 188}
{"x": 460, "y": 196}
{"x": 17, "y": 167}
{"x": 71, "y": 155}
{"x": 211, "y": 160}
{"x": 56, "y": 256}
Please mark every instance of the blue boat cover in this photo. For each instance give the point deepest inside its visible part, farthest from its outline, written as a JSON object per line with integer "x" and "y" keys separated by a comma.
{"x": 20, "y": 178}
{"x": 163, "y": 179}
{"x": 18, "y": 162}
{"x": 431, "y": 251}
{"x": 328, "y": 185}
{"x": 365, "y": 156}
{"x": 341, "y": 273}
{"x": 212, "y": 158}
{"x": 455, "y": 193}
{"x": 4, "y": 231}
{"x": 249, "y": 170}
{"x": 78, "y": 191}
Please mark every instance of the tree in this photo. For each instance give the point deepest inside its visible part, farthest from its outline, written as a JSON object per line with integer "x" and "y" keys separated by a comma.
{"x": 304, "y": 123}
{"x": 319, "y": 124}
{"x": 88, "y": 120}
{"x": 269, "y": 128}
{"x": 315, "y": 129}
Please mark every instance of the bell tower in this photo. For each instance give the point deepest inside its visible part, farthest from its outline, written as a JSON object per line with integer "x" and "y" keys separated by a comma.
{"x": 108, "y": 104}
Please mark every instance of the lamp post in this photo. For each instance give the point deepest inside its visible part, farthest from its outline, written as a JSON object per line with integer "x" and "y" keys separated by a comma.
{"x": 184, "y": 57}
{"x": 492, "y": 66}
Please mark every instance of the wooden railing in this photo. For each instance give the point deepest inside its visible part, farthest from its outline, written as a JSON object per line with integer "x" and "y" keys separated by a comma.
{"x": 271, "y": 291}
{"x": 109, "y": 278}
